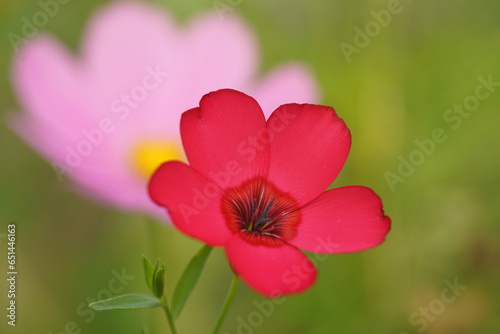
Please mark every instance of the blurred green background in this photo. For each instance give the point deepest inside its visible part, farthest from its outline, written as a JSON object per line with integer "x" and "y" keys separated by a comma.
{"x": 393, "y": 91}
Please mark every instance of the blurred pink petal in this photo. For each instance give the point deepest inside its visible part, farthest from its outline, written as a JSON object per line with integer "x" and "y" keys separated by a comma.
{"x": 290, "y": 83}
{"x": 137, "y": 71}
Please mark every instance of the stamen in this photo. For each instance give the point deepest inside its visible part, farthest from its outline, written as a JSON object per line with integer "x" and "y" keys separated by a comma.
{"x": 258, "y": 208}
{"x": 263, "y": 217}
{"x": 254, "y": 208}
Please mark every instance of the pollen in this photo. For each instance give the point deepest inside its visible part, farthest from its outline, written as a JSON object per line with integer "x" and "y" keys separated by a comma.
{"x": 149, "y": 155}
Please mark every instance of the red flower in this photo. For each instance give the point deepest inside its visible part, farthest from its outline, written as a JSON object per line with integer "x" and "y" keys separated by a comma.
{"x": 258, "y": 189}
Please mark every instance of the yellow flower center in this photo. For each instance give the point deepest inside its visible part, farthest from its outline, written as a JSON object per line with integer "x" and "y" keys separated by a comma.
{"x": 149, "y": 155}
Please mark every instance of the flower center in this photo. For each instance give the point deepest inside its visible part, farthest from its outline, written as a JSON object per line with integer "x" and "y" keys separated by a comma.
{"x": 149, "y": 155}
{"x": 258, "y": 207}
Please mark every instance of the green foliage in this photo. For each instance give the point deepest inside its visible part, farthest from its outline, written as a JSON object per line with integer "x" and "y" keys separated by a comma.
{"x": 126, "y": 302}
{"x": 155, "y": 276}
{"x": 148, "y": 272}
{"x": 159, "y": 281}
{"x": 189, "y": 279}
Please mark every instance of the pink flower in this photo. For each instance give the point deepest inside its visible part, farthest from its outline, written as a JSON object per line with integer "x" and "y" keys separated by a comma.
{"x": 257, "y": 188}
{"x": 108, "y": 117}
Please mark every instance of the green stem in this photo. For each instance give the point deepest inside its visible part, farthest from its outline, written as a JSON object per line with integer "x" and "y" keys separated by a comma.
{"x": 227, "y": 304}
{"x": 168, "y": 314}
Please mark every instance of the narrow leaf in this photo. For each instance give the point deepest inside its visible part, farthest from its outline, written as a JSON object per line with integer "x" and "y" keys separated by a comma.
{"x": 188, "y": 280}
{"x": 157, "y": 265}
{"x": 148, "y": 272}
{"x": 126, "y": 302}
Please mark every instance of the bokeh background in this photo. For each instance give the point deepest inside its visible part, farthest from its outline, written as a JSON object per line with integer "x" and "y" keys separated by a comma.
{"x": 391, "y": 93}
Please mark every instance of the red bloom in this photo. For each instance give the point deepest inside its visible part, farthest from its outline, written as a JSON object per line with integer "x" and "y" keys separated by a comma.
{"x": 258, "y": 189}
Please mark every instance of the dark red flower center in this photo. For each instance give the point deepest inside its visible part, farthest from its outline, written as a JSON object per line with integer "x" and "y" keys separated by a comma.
{"x": 260, "y": 209}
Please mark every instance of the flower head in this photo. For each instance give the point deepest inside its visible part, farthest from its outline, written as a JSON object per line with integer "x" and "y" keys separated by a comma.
{"x": 107, "y": 118}
{"x": 257, "y": 188}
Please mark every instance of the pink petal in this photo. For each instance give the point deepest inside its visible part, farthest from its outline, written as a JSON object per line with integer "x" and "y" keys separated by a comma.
{"x": 108, "y": 177}
{"x": 271, "y": 269}
{"x": 223, "y": 53}
{"x": 100, "y": 175}
{"x": 115, "y": 186}
{"x": 46, "y": 81}
{"x": 138, "y": 68}
{"x": 342, "y": 220}
{"x": 123, "y": 40}
{"x": 291, "y": 83}
{"x": 217, "y": 137}
{"x": 309, "y": 148}
{"x": 192, "y": 201}
{"x": 36, "y": 133}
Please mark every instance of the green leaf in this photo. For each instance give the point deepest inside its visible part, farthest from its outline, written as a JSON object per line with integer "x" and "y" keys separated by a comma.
{"x": 148, "y": 272}
{"x": 188, "y": 280}
{"x": 126, "y": 302}
{"x": 157, "y": 265}
{"x": 155, "y": 276}
{"x": 159, "y": 281}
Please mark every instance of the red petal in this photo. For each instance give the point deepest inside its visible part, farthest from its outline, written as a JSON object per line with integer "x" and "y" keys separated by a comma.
{"x": 310, "y": 146}
{"x": 271, "y": 268}
{"x": 342, "y": 220}
{"x": 218, "y": 137}
{"x": 192, "y": 200}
